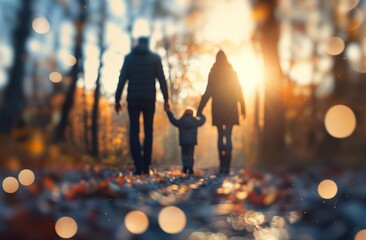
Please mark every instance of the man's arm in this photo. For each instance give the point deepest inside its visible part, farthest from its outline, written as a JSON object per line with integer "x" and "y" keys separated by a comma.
{"x": 162, "y": 81}
{"x": 121, "y": 82}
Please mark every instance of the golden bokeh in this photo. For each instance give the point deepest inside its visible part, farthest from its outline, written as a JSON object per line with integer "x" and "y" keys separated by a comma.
{"x": 346, "y": 5}
{"x": 55, "y": 77}
{"x": 334, "y": 46}
{"x": 327, "y": 189}
{"x": 136, "y": 222}
{"x": 361, "y": 235}
{"x": 277, "y": 222}
{"x": 66, "y": 227}
{"x": 340, "y": 121}
{"x": 69, "y": 60}
{"x": 36, "y": 145}
{"x": 41, "y": 25}
{"x": 26, "y": 177}
{"x": 172, "y": 220}
{"x": 254, "y": 218}
{"x": 10, "y": 184}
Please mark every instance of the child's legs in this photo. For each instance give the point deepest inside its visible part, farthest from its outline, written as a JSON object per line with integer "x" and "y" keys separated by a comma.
{"x": 187, "y": 156}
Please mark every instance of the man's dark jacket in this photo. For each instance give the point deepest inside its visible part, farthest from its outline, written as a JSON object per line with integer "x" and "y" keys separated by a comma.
{"x": 141, "y": 68}
{"x": 187, "y": 126}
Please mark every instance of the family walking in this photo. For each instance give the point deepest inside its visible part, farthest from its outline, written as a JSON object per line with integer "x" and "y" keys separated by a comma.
{"x": 141, "y": 68}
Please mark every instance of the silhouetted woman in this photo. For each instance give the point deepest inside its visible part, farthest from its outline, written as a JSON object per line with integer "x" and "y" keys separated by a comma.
{"x": 224, "y": 88}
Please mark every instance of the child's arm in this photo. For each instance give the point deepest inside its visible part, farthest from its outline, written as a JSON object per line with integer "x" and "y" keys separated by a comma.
{"x": 172, "y": 119}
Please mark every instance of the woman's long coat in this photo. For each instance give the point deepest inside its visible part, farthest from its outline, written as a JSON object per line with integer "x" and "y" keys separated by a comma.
{"x": 224, "y": 88}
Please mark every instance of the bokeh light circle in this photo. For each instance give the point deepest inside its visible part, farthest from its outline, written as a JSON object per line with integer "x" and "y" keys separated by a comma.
{"x": 26, "y": 177}
{"x": 346, "y": 5}
{"x": 172, "y": 220}
{"x": 55, "y": 77}
{"x": 340, "y": 121}
{"x": 41, "y": 25}
{"x": 334, "y": 46}
{"x": 361, "y": 235}
{"x": 69, "y": 60}
{"x": 136, "y": 222}
{"x": 10, "y": 185}
{"x": 66, "y": 227}
{"x": 327, "y": 189}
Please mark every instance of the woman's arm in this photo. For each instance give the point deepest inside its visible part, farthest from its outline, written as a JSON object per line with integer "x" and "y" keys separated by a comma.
{"x": 206, "y": 96}
{"x": 201, "y": 120}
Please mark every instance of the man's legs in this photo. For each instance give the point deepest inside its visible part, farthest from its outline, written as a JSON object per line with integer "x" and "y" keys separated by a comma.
{"x": 148, "y": 114}
{"x": 135, "y": 146}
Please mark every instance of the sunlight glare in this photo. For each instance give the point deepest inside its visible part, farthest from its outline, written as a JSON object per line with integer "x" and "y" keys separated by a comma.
{"x": 113, "y": 34}
{"x": 249, "y": 69}
{"x": 141, "y": 28}
{"x": 91, "y": 66}
{"x": 117, "y": 7}
{"x": 302, "y": 72}
{"x": 91, "y": 50}
{"x": 228, "y": 20}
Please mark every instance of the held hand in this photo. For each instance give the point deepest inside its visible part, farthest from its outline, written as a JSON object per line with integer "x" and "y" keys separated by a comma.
{"x": 117, "y": 107}
{"x": 166, "y": 106}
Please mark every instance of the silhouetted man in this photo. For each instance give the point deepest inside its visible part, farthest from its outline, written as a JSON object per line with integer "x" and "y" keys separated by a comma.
{"x": 141, "y": 68}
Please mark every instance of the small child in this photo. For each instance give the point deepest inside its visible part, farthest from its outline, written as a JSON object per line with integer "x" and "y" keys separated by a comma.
{"x": 187, "y": 126}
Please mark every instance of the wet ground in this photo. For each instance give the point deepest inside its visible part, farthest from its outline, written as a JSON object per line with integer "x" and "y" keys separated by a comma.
{"x": 248, "y": 204}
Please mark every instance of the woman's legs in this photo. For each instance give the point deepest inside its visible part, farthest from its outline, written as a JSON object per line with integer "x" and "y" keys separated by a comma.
{"x": 228, "y": 141}
{"x": 225, "y": 147}
{"x": 220, "y": 142}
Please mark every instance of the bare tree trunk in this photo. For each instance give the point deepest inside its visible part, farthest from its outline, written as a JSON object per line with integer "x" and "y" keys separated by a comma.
{"x": 85, "y": 120}
{"x": 14, "y": 99}
{"x": 95, "y": 113}
{"x": 273, "y": 145}
{"x": 69, "y": 99}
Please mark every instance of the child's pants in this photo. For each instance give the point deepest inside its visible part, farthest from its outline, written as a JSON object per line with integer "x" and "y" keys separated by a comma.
{"x": 187, "y": 158}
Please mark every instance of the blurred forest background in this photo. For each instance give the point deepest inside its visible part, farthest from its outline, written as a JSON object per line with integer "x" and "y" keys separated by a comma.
{"x": 301, "y": 65}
